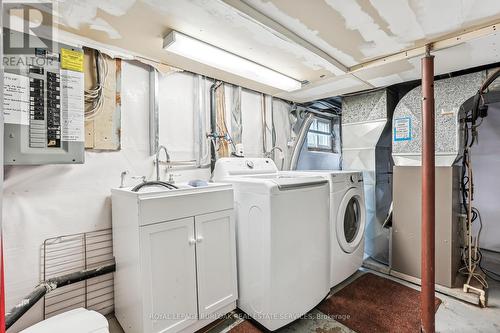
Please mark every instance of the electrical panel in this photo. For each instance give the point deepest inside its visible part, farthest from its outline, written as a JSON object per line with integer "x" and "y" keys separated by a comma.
{"x": 43, "y": 104}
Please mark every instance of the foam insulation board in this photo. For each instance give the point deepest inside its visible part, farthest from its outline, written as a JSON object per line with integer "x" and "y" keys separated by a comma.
{"x": 252, "y": 124}
{"x": 103, "y": 132}
{"x": 283, "y": 128}
{"x": 450, "y": 94}
{"x": 176, "y": 97}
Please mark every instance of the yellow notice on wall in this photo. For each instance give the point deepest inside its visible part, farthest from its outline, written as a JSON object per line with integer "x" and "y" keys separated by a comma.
{"x": 72, "y": 60}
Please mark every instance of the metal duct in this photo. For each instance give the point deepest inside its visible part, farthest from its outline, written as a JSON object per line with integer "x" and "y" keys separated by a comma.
{"x": 407, "y": 128}
{"x": 366, "y": 146}
{"x": 299, "y": 142}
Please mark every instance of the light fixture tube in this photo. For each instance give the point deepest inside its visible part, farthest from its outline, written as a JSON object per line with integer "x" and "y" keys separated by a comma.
{"x": 213, "y": 56}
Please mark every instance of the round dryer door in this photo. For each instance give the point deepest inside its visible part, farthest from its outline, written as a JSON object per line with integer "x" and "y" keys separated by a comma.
{"x": 351, "y": 220}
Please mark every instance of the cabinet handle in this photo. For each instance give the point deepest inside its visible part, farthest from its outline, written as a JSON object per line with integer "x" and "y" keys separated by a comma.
{"x": 199, "y": 239}
{"x": 192, "y": 241}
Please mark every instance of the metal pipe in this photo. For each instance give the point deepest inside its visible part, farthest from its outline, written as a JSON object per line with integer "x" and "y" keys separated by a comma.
{"x": 301, "y": 137}
{"x": 427, "y": 305}
{"x": 213, "y": 125}
{"x": 51, "y": 284}
{"x": 157, "y": 160}
{"x": 154, "y": 122}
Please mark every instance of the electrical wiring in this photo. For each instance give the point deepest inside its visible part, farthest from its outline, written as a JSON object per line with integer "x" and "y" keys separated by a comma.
{"x": 471, "y": 253}
{"x": 471, "y": 256}
{"x": 224, "y": 136}
{"x": 490, "y": 274}
{"x": 94, "y": 97}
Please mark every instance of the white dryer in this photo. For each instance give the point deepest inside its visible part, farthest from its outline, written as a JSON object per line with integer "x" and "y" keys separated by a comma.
{"x": 347, "y": 221}
{"x": 282, "y": 227}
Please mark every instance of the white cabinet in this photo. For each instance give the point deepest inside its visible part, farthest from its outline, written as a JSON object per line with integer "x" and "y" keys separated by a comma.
{"x": 215, "y": 261}
{"x": 175, "y": 272}
{"x": 168, "y": 268}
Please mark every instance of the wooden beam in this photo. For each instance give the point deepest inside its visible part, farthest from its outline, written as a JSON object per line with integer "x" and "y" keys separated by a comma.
{"x": 445, "y": 42}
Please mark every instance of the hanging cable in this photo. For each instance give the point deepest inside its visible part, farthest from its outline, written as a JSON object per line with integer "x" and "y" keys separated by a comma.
{"x": 94, "y": 97}
{"x": 489, "y": 273}
{"x": 471, "y": 253}
{"x": 223, "y": 137}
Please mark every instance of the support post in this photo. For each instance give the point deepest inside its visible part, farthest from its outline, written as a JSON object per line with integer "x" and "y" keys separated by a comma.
{"x": 427, "y": 305}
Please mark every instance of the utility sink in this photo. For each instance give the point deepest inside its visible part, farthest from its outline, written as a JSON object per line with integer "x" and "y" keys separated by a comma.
{"x": 175, "y": 253}
{"x": 157, "y": 203}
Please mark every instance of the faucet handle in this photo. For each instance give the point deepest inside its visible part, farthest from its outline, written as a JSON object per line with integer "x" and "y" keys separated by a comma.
{"x": 143, "y": 178}
{"x": 122, "y": 177}
{"x": 171, "y": 177}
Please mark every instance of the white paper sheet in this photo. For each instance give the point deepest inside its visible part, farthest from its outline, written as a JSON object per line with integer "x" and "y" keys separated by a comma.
{"x": 16, "y": 99}
{"x": 72, "y": 107}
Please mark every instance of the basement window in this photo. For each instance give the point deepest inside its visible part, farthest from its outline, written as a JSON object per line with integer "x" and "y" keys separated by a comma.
{"x": 319, "y": 137}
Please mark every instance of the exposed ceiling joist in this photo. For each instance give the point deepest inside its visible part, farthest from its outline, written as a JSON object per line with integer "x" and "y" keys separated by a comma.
{"x": 283, "y": 32}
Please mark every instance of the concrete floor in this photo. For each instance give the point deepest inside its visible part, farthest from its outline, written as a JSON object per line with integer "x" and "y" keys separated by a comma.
{"x": 452, "y": 316}
{"x": 456, "y": 316}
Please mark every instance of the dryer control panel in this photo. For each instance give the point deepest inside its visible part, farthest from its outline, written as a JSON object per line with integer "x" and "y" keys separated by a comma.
{"x": 234, "y": 166}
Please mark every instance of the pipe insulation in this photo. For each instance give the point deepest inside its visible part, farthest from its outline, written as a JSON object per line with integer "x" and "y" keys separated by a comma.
{"x": 52, "y": 284}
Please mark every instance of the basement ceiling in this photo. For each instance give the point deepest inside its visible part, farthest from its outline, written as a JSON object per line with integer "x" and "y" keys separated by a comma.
{"x": 324, "y": 42}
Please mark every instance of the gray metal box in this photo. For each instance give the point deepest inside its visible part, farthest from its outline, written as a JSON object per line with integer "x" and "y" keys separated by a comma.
{"x": 407, "y": 222}
{"x": 44, "y": 121}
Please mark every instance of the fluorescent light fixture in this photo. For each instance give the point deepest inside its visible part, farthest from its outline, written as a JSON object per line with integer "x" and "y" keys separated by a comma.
{"x": 210, "y": 55}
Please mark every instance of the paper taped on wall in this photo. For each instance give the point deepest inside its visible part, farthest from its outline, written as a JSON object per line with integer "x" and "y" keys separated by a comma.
{"x": 16, "y": 99}
{"x": 402, "y": 129}
{"x": 72, "y": 106}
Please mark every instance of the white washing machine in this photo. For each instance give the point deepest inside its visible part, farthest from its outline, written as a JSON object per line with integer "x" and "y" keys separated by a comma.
{"x": 282, "y": 227}
{"x": 347, "y": 219}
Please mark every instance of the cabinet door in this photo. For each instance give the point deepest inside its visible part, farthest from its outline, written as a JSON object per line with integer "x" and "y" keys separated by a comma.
{"x": 216, "y": 261}
{"x": 169, "y": 275}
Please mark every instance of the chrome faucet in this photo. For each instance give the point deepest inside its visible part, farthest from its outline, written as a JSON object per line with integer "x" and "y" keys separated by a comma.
{"x": 269, "y": 154}
{"x": 157, "y": 160}
{"x": 122, "y": 177}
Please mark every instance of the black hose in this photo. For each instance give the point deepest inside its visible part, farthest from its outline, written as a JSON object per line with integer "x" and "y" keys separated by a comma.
{"x": 51, "y": 284}
{"x": 98, "y": 74}
{"x": 154, "y": 183}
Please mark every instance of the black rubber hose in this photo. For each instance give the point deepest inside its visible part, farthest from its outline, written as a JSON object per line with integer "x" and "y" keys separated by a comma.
{"x": 154, "y": 183}
{"x": 51, "y": 284}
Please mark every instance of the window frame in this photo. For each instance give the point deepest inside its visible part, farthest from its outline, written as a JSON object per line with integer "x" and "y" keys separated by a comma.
{"x": 318, "y": 147}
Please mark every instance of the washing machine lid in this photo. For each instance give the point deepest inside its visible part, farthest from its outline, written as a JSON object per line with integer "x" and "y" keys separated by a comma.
{"x": 333, "y": 176}
{"x": 274, "y": 184}
{"x": 351, "y": 220}
{"x": 288, "y": 182}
